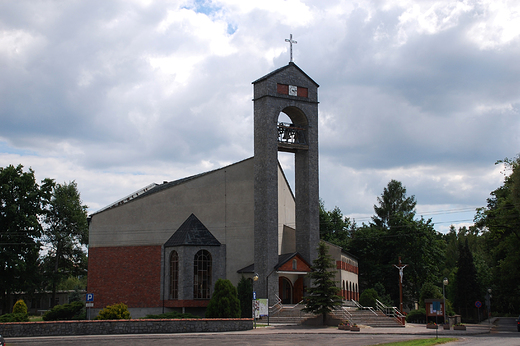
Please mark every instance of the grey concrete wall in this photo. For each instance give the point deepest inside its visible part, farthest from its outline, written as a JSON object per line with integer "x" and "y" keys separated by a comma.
{"x": 222, "y": 200}
{"x": 123, "y": 327}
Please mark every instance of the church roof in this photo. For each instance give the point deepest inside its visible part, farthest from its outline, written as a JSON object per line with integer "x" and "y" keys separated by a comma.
{"x": 192, "y": 232}
{"x": 154, "y": 188}
{"x": 283, "y": 68}
{"x": 282, "y": 259}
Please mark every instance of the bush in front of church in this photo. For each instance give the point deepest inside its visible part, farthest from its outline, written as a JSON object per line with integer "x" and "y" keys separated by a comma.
{"x": 65, "y": 312}
{"x": 114, "y": 312}
{"x": 20, "y": 307}
{"x": 224, "y": 303}
{"x": 245, "y": 295}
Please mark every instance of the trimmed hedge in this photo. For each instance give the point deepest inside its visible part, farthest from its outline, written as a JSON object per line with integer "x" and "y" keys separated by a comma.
{"x": 416, "y": 316}
{"x": 65, "y": 312}
{"x": 14, "y": 318}
{"x": 114, "y": 312}
{"x": 170, "y": 315}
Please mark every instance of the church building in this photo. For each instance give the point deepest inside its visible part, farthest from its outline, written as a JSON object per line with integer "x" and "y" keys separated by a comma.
{"x": 164, "y": 247}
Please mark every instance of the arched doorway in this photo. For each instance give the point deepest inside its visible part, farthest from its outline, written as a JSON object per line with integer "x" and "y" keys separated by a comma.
{"x": 286, "y": 290}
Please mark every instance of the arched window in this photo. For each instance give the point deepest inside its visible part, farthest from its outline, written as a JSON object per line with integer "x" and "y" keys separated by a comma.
{"x": 343, "y": 292}
{"x": 202, "y": 275}
{"x": 174, "y": 275}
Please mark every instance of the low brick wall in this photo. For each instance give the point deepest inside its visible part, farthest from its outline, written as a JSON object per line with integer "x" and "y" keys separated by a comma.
{"x": 22, "y": 329}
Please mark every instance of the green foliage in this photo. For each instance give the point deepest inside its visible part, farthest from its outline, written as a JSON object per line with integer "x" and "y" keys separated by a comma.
{"x": 21, "y": 201}
{"x": 499, "y": 222}
{"x": 65, "y": 312}
{"x": 20, "y": 307}
{"x": 466, "y": 287}
{"x": 114, "y": 312}
{"x": 393, "y": 203}
{"x": 65, "y": 233}
{"x": 416, "y": 316}
{"x": 170, "y": 316}
{"x": 334, "y": 227}
{"x": 383, "y": 297}
{"x": 245, "y": 295}
{"x": 224, "y": 303}
{"x": 323, "y": 295}
{"x": 368, "y": 297}
{"x": 395, "y": 233}
{"x": 14, "y": 318}
{"x": 429, "y": 291}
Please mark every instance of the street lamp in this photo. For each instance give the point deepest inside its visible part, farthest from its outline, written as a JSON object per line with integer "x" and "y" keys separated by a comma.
{"x": 444, "y": 283}
{"x": 255, "y": 278}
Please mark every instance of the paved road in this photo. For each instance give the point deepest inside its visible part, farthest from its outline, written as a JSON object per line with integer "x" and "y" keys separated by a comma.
{"x": 218, "y": 339}
{"x": 504, "y": 334}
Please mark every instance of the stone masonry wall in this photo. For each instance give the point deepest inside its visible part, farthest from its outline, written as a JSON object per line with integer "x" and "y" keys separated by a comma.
{"x": 62, "y": 328}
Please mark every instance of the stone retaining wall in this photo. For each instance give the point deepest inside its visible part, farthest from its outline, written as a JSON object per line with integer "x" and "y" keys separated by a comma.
{"x": 22, "y": 329}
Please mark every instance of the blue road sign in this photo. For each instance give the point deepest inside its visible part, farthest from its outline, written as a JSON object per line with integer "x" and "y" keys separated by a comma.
{"x": 254, "y": 295}
{"x": 478, "y": 304}
{"x": 90, "y": 297}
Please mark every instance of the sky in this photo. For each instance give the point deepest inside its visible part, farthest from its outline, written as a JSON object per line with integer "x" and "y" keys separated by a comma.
{"x": 116, "y": 95}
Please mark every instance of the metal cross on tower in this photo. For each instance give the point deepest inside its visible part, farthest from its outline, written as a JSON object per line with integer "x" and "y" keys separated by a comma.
{"x": 291, "y": 41}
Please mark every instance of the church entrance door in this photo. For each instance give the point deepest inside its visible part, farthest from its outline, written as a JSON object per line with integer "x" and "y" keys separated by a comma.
{"x": 285, "y": 290}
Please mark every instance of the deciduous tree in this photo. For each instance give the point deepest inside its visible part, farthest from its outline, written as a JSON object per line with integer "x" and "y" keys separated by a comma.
{"x": 20, "y": 230}
{"x": 65, "y": 234}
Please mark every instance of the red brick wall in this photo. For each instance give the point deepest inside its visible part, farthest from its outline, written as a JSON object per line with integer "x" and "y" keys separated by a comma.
{"x": 130, "y": 275}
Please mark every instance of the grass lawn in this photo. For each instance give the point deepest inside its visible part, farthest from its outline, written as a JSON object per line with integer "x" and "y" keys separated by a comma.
{"x": 421, "y": 342}
{"x": 35, "y": 318}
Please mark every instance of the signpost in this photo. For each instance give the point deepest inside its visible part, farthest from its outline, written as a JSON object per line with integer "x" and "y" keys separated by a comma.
{"x": 89, "y": 303}
{"x": 478, "y": 305}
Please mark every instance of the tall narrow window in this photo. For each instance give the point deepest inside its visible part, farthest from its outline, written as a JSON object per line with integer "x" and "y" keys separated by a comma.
{"x": 174, "y": 275}
{"x": 202, "y": 275}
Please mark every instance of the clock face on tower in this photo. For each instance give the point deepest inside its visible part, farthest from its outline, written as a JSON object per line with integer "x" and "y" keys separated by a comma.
{"x": 293, "y": 90}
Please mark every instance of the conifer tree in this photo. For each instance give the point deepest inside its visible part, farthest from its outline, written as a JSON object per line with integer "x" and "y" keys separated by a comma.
{"x": 323, "y": 295}
{"x": 224, "y": 302}
{"x": 245, "y": 295}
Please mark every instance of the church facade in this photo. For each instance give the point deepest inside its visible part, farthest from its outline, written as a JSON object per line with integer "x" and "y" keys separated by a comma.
{"x": 164, "y": 246}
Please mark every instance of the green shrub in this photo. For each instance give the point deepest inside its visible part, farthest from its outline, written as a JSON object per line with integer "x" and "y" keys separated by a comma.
{"x": 14, "y": 317}
{"x": 245, "y": 295}
{"x": 20, "y": 307}
{"x": 224, "y": 303}
{"x": 114, "y": 312}
{"x": 416, "y": 316}
{"x": 72, "y": 311}
{"x": 368, "y": 297}
{"x": 170, "y": 315}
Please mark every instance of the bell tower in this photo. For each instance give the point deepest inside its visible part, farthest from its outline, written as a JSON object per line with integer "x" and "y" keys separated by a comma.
{"x": 293, "y": 92}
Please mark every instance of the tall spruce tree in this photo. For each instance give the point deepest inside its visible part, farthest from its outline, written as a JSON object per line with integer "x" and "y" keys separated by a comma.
{"x": 466, "y": 286}
{"x": 323, "y": 294}
{"x": 245, "y": 295}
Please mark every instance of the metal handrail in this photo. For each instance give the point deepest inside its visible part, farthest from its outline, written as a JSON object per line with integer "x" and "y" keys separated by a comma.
{"x": 361, "y": 307}
{"x": 344, "y": 314}
{"x": 390, "y": 311}
{"x": 276, "y": 307}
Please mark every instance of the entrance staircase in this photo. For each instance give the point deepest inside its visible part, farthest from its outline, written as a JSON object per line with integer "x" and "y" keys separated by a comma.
{"x": 291, "y": 315}
{"x": 350, "y": 311}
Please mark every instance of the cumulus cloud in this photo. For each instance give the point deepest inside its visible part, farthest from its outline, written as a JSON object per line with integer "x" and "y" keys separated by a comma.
{"x": 116, "y": 95}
